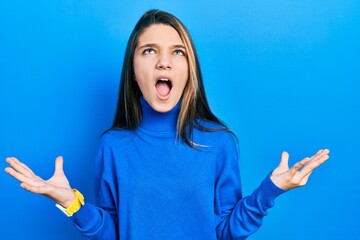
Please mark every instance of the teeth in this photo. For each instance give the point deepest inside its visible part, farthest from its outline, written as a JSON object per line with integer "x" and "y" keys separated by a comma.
{"x": 164, "y": 79}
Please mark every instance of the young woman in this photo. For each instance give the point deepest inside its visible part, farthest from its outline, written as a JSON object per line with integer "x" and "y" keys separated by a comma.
{"x": 168, "y": 168}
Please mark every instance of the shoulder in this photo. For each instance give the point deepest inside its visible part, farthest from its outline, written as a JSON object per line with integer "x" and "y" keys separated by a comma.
{"x": 221, "y": 143}
{"x": 112, "y": 144}
{"x": 115, "y": 138}
{"x": 214, "y": 135}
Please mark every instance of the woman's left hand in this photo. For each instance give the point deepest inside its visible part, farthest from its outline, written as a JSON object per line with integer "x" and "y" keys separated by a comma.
{"x": 297, "y": 175}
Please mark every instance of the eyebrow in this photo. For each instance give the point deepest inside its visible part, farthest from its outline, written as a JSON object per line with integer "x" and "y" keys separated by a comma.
{"x": 155, "y": 45}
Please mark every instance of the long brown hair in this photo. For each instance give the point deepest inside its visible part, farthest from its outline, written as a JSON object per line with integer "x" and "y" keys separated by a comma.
{"x": 194, "y": 104}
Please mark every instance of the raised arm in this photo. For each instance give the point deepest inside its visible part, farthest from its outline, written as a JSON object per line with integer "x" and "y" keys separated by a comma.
{"x": 57, "y": 188}
{"x": 92, "y": 221}
{"x": 241, "y": 218}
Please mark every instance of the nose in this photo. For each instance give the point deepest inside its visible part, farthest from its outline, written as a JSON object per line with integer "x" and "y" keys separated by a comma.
{"x": 163, "y": 62}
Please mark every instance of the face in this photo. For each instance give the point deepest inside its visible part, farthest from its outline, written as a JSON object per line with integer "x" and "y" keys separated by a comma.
{"x": 161, "y": 66}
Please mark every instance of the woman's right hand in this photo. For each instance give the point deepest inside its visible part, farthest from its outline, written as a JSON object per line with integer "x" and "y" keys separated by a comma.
{"x": 56, "y": 188}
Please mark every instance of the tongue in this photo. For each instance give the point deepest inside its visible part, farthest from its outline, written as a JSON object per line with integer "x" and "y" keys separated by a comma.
{"x": 162, "y": 88}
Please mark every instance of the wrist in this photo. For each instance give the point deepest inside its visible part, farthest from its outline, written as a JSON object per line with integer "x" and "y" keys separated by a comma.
{"x": 71, "y": 208}
{"x": 69, "y": 201}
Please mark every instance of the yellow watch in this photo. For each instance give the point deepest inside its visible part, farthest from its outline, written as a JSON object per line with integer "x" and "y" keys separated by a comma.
{"x": 74, "y": 206}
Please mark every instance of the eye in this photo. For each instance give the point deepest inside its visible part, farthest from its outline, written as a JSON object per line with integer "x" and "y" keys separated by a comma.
{"x": 148, "y": 51}
{"x": 179, "y": 52}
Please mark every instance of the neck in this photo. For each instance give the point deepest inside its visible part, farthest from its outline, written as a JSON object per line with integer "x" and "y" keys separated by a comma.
{"x": 158, "y": 121}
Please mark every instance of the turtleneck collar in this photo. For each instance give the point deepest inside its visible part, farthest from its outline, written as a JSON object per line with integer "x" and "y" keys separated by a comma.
{"x": 157, "y": 121}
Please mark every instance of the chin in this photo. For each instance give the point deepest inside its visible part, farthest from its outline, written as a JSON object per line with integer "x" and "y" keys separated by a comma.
{"x": 163, "y": 107}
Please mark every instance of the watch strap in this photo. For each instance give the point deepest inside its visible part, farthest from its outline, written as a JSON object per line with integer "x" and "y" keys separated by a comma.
{"x": 74, "y": 206}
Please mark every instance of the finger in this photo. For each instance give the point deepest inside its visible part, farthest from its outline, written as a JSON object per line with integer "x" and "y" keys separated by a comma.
{"x": 24, "y": 166}
{"x": 22, "y": 178}
{"x": 59, "y": 162}
{"x": 323, "y": 151}
{"x": 312, "y": 165}
{"x": 284, "y": 161}
{"x": 319, "y": 155}
{"x": 19, "y": 167}
{"x": 298, "y": 166}
{"x": 304, "y": 180}
{"x": 319, "y": 152}
{"x": 42, "y": 189}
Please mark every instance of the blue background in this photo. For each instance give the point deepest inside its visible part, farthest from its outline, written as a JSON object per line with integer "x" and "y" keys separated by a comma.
{"x": 284, "y": 75}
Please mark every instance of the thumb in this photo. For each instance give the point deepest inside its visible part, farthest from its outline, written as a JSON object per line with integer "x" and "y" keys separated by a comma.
{"x": 59, "y": 161}
{"x": 284, "y": 162}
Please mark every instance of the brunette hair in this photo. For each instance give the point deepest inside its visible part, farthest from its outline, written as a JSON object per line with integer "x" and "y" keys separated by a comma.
{"x": 194, "y": 104}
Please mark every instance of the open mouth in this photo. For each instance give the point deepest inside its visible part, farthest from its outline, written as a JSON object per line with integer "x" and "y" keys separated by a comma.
{"x": 163, "y": 87}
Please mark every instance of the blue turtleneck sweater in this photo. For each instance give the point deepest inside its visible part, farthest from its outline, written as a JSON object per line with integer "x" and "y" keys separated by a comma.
{"x": 151, "y": 185}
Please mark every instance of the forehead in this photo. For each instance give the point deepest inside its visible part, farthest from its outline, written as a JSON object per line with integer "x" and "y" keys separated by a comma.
{"x": 160, "y": 34}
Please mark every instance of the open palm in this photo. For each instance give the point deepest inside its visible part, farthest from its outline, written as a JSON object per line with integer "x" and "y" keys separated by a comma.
{"x": 56, "y": 188}
{"x": 287, "y": 178}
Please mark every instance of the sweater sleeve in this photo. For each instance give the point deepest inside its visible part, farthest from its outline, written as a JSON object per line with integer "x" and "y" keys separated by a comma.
{"x": 100, "y": 221}
{"x": 238, "y": 216}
